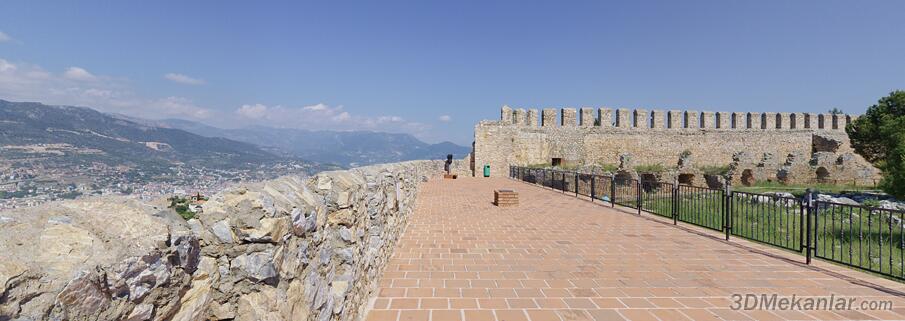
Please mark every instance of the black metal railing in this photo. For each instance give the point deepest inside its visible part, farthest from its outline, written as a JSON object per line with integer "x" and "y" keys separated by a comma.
{"x": 868, "y": 238}
{"x": 772, "y": 219}
{"x": 865, "y": 237}
{"x": 658, "y": 198}
{"x": 700, "y": 206}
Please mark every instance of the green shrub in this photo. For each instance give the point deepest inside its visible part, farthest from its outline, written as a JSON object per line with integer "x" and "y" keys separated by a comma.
{"x": 879, "y": 136}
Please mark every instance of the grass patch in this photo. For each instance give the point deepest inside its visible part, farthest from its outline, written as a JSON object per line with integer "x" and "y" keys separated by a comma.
{"x": 650, "y": 168}
{"x": 715, "y": 170}
{"x": 608, "y": 167}
{"x": 799, "y": 189}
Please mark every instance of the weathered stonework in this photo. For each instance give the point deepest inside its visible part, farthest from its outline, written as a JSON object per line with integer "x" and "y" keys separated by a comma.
{"x": 501, "y": 145}
{"x": 587, "y": 117}
{"x": 754, "y": 121}
{"x": 622, "y": 118}
{"x": 658, "y": 119}
{"x": 707, "y": 120}
{"x": 783, "y": 121}
{"x": 810, "y": 121}
{"x": 691, "y": 119}
{"x": 549, "y": 117}
{"x": 520, "y": 117}
{"x": 605, "y": 115}
{"x": 292, "y": 248}
{"x": 739, "y": 121}
{"x": 506, "y": 115}
{"x": 723, "y": 121}
{"x": 532, "y": 117}
{"x": 641, "y": 120}
{"x": 569, "y": 117}
{"x": 674, "y": 119}
{"x": 769, "y": 121}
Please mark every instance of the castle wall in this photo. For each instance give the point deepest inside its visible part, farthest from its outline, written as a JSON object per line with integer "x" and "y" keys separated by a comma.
{"x": 654, "y": 137}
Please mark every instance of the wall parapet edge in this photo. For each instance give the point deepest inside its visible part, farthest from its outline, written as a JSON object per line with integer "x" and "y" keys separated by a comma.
{"x": 659, "y": 119}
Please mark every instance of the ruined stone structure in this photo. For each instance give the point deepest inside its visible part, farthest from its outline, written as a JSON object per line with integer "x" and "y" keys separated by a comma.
{"x": 293, "y": 248}
{"x": 787, "y": 147}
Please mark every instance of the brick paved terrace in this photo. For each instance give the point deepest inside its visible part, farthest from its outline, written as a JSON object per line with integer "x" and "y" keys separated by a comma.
{"x": 557, "y": 257}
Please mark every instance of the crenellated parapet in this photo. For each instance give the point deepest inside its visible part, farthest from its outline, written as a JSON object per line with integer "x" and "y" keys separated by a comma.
{"x": 659, "y": 119}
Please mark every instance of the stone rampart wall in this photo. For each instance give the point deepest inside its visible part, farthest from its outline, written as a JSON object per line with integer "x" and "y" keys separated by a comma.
{"x": 651, "y": 137}
{"x": 292, "y": 248}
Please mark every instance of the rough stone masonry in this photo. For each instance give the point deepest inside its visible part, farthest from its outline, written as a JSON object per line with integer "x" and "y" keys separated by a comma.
{"x": 292, "y": 248}
{"x": 787, "y": 147}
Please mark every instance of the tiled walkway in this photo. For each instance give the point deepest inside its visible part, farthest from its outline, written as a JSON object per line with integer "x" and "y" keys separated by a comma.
{"x": 556, "y": 257}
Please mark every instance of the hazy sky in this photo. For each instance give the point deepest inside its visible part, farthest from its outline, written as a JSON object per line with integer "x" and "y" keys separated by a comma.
{"x": 435, "y": 68}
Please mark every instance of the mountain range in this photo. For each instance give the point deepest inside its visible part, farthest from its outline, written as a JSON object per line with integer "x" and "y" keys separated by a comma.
{"x": 37, "y": 132}
{"x": 28, "y": 129}
{"x": 345, "y": 148}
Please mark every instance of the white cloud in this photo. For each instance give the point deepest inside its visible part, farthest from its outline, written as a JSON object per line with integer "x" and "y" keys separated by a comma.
{"x": 256, "y": 111}
{"x": 23, "y": 81}
{"x": 445, "y": 118}
{"x": 183, "y": 79}
{"x": 343, "y": 116}
{"x": 76, "y": 73}
{"x": 323, "y": 117}
{"x": 4, "y": 37}
{"x": 318, "y": 107}
{"x": 179, "y": 106}
{"x": 27, "y": 82}
{"x": 6, "y": 66}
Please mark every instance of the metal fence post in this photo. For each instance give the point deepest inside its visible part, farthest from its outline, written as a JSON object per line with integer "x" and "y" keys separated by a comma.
{"x": 810, "y": 203}
{"x": 675, "y": 202}
{"x": 727, "y": 210}
{"x": 562, "y": 182}
{"x": 576, "y": 184}
{"x": 638, "y": 199}
{"x": 613, "y": 191}
{"x": 593, "y": 178}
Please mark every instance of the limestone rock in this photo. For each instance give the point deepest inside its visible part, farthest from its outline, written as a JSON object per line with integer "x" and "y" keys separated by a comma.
{"x": 84, "y": 296}
{"x": 141, "y": 312}
{"x": 223, "y": 231}
{"x": 257, "y": 266}
{"x": 194, "y": 302}
{"x": 271, "y": 230}
{"x": 260, "y": 306}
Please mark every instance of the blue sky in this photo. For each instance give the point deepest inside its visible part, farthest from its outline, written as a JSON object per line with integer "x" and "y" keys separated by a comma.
{"x": 435, "y": 68}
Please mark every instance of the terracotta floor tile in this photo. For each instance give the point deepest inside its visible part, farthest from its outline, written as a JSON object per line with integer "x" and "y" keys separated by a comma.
{"x": 543, "y": 315}
{"x": 493, "y": 304}
{"x": 579, "y": 303}
{"x": 446, "y": 315}
{"x": 463, "y": 303}
{"x": 414, "y": 315}
{"x": 638, "y": 315}
{"x": 551, "y": 303}
{"x": 587, "y": 261}
{"x": 605, "y": 315}
{"x": 434, "y": 303}
{"x": 399, "y": 304}
{"x": 574, "y": 315}
{"x": 479, "y": 315}
{"x": 511, "y": 315}
{"x": 383, "y": 315}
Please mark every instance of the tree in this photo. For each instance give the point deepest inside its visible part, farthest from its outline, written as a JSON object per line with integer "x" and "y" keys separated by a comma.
{"x": 879, "y": 136}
